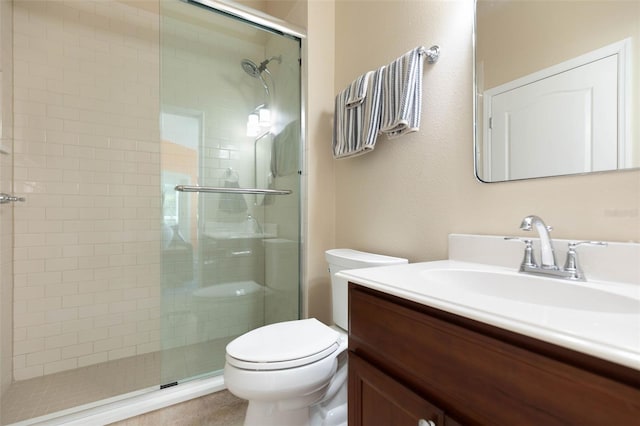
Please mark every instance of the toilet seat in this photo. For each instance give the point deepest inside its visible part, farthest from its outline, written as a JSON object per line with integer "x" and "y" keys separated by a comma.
{"x": 283, "y": 345}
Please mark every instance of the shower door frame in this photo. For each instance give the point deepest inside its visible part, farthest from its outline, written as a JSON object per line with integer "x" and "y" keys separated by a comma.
{"x": 253, "y": 17}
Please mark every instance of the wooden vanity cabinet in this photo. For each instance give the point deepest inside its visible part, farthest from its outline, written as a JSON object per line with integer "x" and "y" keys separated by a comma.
{"x": 410, "y": 363}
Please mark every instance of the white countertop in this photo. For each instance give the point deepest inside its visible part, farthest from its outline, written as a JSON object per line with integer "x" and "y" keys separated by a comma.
{"x": 608, "y": 335}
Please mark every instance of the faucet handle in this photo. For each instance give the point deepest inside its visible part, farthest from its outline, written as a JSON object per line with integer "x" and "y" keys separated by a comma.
{"x": 522, "y": 240}
{"x": 571, "y": 264}
{"x": 528, "y": 260}
{"x": 574, "y": 244}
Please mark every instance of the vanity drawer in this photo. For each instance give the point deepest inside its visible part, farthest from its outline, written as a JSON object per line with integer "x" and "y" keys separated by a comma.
{"x": 476, "y": 377}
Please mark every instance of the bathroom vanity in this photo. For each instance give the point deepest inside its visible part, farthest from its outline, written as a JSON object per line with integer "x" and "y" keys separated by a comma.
{"x": 421, "y": 356}
{"x": 408, "y": 362}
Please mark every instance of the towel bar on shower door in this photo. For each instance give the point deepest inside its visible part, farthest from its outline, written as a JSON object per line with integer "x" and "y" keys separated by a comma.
{"x": 220, "y": 190}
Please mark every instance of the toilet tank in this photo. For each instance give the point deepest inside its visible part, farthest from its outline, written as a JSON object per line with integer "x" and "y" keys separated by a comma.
{"x": 341, "y": 259}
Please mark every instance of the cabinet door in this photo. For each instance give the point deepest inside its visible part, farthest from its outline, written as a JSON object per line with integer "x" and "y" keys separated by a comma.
{"x": 375, "y": 399}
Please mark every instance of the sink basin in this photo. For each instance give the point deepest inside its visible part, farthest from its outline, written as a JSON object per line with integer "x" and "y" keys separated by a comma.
{"x": 527, "y": 289}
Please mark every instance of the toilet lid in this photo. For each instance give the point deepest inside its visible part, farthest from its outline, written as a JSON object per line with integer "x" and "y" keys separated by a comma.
{"x": 283, "y": 345}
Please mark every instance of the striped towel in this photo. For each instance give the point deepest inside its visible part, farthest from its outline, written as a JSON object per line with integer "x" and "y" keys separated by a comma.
{"x": 402, "y": 95}
{"x": 357, "y": 116}
{"x": 357, "y": 91}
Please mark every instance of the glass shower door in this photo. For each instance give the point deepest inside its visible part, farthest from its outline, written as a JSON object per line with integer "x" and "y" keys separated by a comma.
{"x": 230, "y": 160}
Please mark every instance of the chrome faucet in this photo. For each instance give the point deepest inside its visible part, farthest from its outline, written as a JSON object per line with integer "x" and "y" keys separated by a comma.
{"x": 548, "y": 265}
{"x": 253, "y": 225}
{"x": 547, "y": 254}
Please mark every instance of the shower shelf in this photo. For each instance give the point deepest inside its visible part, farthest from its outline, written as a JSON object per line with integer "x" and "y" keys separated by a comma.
{"x": 220, "y": 190}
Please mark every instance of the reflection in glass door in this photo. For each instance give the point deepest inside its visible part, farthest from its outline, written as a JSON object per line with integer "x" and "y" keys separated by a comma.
{"x": 231, "y": 139}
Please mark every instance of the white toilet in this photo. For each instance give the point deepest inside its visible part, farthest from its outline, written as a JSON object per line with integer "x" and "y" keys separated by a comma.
{"x": 294, "y": 373}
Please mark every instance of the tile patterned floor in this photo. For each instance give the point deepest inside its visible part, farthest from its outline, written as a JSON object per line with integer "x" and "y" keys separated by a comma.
{"x": 55, "y": 392}
{"x": 218, "y": 409}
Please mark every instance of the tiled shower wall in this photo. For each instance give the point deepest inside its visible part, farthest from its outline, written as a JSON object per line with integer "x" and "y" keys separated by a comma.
{"x": 87, "y": 241}
{"x": 6, "y": 210}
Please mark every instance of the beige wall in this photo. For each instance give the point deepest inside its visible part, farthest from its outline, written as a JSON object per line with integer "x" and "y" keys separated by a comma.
{"x": 405, "y": 197}
{"x": 320, "y": 199}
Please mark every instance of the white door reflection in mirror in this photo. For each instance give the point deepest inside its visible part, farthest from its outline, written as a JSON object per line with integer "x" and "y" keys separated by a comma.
{"x": 568, "y": 119}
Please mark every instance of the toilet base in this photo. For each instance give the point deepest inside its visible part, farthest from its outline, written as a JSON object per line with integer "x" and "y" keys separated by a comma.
{"x": 269, "y": 414}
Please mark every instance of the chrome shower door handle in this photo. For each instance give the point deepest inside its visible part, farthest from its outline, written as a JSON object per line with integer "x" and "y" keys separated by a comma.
{"x": 6, "y": 198}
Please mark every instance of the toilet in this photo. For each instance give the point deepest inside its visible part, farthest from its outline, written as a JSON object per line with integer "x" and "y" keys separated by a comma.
{"x": 294, "y": 373}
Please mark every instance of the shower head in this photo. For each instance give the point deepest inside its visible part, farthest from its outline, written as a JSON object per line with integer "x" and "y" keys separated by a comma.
{"x": 250, "y": 68}
{"x": 256, "y": 71}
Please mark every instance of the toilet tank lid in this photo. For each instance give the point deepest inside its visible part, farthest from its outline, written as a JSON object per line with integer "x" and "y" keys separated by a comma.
{"x": 283, "y": 341}
{"x": 359, "y": 259}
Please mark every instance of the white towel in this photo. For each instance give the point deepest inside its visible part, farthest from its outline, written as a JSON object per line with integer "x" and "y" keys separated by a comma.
{"x": 356, "y": 120}
{"x": 402, "y": 95}
{"x": 284, "y": 150}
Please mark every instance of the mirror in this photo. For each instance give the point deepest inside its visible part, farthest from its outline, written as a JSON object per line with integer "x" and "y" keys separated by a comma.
{"x": 557, "y": 86}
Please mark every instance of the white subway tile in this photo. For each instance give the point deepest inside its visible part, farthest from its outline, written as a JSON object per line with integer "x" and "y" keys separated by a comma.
{"x": 122, "y": 352}
{"x": 95, "y": 358}
{"x": 20, "y": 334}
{"x": 65, "y": 314}
{"x": 64, "y": 238}
{"x": 28, "y": 346}
{"x": 93, "y": 334}
{"x": 24, "y": 266}
{"x": 135, "y": 339}
{"x": 61, "y": 213}
{"x": 75, "y": 351}
{"x": 109, "y": 296}
{"x": 107, "y": 320}
{"x": 61, "y": 289}
{"x": 47, "y": 279}
{"x": 97, "y": 309}
{"x": 93, "y": 286}
{"x": 58, "y": 366}
{"x": 78, "y": 276}
{"x": 108, "y": 344}
{"x": 82, "y": 324}
{"x": 28, "y": 372}
{"x": 44, "y": 304}
{"x": 43, "y": 331}
{"x": 122, "y": 306}
{"x": 61, "y": 264}
{"x": 61, "y": 340}
{"x": 28, "y": 293}
{"x": 148, "y": 347}
{"x": 92, "y": 262}
{"x": 77, "y": 300}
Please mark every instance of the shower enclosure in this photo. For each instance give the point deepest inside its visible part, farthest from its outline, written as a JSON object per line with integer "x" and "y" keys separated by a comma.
{"x": 158, "y": 146}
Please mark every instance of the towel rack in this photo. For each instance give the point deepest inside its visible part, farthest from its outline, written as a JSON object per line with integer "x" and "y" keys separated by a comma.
{"x": 219, "y": 190}
{"x": 432, "y": 53}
